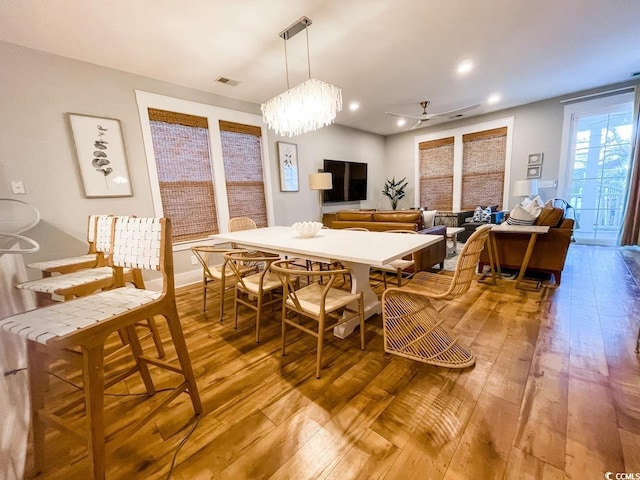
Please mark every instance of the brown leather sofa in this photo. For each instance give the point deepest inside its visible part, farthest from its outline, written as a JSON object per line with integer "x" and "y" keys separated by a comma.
{"x": 382, "y": 220}
{"x": 549, "y": 252}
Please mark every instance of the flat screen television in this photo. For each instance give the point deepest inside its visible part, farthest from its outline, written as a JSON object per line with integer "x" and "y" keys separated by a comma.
{"x": 349, "y": 181}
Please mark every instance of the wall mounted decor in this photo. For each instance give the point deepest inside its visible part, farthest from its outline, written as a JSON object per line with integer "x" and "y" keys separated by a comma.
{"x": 101, "y": 156}
{"x": 535, "y": 159}
{"x": 534, "y": 172}
{"x": 288, "y": 162}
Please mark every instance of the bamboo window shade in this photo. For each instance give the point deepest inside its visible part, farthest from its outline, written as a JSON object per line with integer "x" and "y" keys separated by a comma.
{"x": 242, "y": 157}
{"x": 183, "y": 163}
{"x": 436, "y": 173}
{"x": 483, "y": 164}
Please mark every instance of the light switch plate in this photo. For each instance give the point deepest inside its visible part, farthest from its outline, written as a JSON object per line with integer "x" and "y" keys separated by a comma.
{"x": 17, "y": 187}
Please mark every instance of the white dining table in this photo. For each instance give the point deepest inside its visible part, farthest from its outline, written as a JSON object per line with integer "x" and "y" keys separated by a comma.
{"x": 356, "y": 250}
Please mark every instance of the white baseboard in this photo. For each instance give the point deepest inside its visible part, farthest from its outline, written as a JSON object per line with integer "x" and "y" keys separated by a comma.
{"x": 181, "y": 280}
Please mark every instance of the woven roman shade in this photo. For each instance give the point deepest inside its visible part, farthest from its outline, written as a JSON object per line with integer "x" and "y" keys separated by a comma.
{"x": 183, "y": 163}
{"x": 242, "y": 157}
{"x": 483, "y": 163}
{"x": 436, "y": 173}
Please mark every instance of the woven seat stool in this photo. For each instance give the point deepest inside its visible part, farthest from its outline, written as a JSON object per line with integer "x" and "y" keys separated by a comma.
{"x": 412, "y": 325}
{"x": 76, "y": 332}
{"x": 91, "y": 259}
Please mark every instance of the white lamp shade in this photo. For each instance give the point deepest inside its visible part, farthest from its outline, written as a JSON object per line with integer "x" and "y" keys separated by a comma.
{"x": 525, "y": 188}
{"x": 321, "y": 181}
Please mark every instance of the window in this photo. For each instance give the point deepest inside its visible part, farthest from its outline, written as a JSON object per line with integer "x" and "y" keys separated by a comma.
{"x": 436, "y": 174}
{"x": 465, "y": 167}
{"x": 597, "y": 138}
{"x": 242, "y": 156}
{"x": 183, "y": 163}
{"x": 206, "y": 164}
{"x": 483, "y": 162}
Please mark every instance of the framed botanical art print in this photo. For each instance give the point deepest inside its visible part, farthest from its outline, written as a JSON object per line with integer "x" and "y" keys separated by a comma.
{"x": 288, "y": 162}
{"x": 101, "y": 156}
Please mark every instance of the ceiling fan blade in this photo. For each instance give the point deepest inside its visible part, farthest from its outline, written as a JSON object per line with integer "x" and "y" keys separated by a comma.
{"x": 420, "y": 122}
{"x": 421, "y": 117}
{"x": 455, "y": 110}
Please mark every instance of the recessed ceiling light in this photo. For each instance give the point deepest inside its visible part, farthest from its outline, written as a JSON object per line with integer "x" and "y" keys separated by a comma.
{"x": 353, "y": 106}
{"x": 465, "y": 66}
{"x": 495, "y": 98}
{"x": 401, "y": 122}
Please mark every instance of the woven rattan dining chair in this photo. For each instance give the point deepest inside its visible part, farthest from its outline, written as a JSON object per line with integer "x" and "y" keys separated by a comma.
{"x": 325, "y": 305}
{"x": 91, "y": 259}
{"x": 399, "y": 266}
{"x": 413, "y": 328}
{"x": 218, "y": 273}
{"x": 76, "y": 332}
{"x": 237, "y": 224}
{"x": 258, "y": 290}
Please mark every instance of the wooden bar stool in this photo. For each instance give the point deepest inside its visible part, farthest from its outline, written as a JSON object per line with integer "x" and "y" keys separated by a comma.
{"x": 76, "y": 331}
{"x": 91, "y": 259}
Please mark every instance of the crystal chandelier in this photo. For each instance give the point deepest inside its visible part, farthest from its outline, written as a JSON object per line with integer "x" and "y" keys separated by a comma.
{"x": 306, "y": 107}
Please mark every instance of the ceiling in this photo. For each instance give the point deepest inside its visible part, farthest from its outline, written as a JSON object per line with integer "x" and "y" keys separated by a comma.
{"x": 388, "y": 55}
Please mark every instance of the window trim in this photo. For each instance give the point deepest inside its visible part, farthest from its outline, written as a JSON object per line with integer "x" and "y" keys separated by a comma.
{"x": 213, "y": 115}
{"x": 457, "y": 134}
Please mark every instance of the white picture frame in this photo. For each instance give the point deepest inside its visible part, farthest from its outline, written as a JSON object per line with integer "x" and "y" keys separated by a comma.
{"x": 101, "y": 156}
{"x": 288, "y": 163}
{"x": 535, "y": 159}
{"x": 534, "y": 171}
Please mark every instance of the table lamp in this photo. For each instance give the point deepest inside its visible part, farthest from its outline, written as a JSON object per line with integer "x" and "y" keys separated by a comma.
{"x": 525, "y": 188}
{"x": 320, "y": 181}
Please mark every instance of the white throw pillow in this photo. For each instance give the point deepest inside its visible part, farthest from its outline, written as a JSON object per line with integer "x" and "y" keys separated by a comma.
{"x": 429, "y": 218}
{"x": 526, "y": 212}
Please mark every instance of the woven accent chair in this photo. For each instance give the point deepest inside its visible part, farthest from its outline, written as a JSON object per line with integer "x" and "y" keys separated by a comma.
{"x": 216, "y": 273}
{"x": 251, "y": 290}
{"x": 76, "y": 332}
{"x": 400, "y": 265}
{"x": 237, "y": 224}
{"x": 91, "y": 259}
{"x": 413, "y": 327}
{"x": 325, "y": 305}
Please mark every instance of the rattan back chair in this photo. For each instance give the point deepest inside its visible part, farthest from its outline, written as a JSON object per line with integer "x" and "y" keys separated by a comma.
{"x": 255, "y": 291}
{"x": 217, "y": 274}
{"x": 400, "y": 265}
{"x": 325, "y": 305}
{"x": 413, "y": 328}
{"x": 77, "y": 331}
{"x": 237, "y": 224}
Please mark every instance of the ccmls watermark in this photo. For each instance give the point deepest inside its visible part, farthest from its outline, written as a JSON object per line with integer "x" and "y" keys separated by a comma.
{"x": 622, "y": 476}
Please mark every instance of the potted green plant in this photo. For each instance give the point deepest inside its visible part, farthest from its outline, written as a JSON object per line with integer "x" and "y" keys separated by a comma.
{"x": 395, "y": 190}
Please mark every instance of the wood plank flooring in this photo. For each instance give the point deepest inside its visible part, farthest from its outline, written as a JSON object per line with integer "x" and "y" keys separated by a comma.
{"x": 555, "y": 394}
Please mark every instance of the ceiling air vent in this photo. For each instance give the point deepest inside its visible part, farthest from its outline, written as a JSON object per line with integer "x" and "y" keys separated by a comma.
{"x": 227, "y": 81}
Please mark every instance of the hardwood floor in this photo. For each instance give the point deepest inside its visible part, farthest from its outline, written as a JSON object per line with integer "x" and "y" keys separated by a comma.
{"x": 555, "y": 394}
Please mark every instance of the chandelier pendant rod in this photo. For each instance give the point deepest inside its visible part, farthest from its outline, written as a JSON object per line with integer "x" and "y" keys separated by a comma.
{"x": 286, "y": 61}
{"x": 306, "y": 29}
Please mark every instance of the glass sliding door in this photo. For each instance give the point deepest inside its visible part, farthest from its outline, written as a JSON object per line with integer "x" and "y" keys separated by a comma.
{"x": 598, "y": 168}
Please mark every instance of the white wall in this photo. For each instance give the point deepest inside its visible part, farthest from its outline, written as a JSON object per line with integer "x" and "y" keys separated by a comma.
{"x": 537, "y": 128}
{"x": 333, "y": 142}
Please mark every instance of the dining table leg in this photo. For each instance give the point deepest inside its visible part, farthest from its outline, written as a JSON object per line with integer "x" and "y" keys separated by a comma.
{"x": 359, "y": 283}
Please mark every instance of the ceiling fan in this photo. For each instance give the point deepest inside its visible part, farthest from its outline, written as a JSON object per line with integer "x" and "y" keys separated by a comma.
{"x": 424, "y": 117}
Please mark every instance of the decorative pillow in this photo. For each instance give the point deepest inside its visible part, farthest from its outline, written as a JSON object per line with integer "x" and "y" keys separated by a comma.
{"x": 550, "y": 216}
{"x": 481, "y": 215}
{"x": 526, "y": 212}
{"x": 429, "y": 218}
